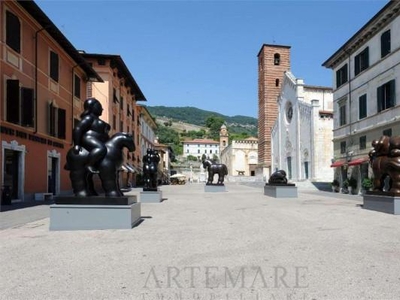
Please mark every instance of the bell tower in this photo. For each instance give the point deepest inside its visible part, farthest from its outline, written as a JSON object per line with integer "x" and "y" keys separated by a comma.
{"x": 223, "y": 138}
{"x": 273, "y": 62}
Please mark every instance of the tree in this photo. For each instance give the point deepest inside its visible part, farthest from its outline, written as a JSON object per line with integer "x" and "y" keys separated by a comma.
{"x": 214, "y": 124}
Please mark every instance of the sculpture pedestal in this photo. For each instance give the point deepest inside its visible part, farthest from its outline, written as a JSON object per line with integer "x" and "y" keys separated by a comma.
{"x": 211, "y": 188}
{"x": 151, "y": 196}
{"x": 382, "y": 203}
{"x": 280, "y": 190}
{"x": 93, "y": 217}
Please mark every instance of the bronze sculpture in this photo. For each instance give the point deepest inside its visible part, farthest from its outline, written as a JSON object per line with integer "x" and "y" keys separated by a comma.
{"x": 212, "y": 169}
{"x": 95, "y": 153}
{"x": 385, "y": 162}
{"x": 278, "y": 177}
{"x": 150, "y": 164}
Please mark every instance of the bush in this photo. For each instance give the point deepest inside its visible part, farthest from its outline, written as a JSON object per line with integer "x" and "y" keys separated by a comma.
{"x": 353, "y": 182}
{"x": 367, "y": 183}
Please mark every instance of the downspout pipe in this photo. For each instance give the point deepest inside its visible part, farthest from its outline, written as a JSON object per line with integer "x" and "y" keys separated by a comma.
{"x": 36, "y": 77}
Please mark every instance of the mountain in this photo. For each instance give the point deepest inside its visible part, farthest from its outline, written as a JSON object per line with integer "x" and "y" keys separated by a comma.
{"x": 196, "y": 116}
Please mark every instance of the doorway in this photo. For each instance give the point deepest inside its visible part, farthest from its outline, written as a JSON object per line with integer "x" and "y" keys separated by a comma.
{"x": 11, "y": 171}
{"x": 53, "y": 172}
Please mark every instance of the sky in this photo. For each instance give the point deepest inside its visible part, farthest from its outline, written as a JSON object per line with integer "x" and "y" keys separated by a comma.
{"x": 204, "y": 53}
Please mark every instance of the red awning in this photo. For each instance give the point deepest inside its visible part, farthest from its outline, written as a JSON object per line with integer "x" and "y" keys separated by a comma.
{"x": 338, "y": 163}
{"x": 358, "y": 161}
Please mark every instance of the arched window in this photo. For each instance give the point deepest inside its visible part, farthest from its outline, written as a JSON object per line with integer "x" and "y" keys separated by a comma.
{"x": 277, "y": 59}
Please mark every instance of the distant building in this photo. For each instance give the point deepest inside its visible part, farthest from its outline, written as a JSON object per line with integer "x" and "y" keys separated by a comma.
{"x": 198, "y": 147}
{"x": 241, "y": 157}
{"x": 366, "y": 91}
{"x": 273, "y": 61}
{"x": 148, "y": 126}
{"x": 118, "y": 94}
{"x": 302, "y": 134}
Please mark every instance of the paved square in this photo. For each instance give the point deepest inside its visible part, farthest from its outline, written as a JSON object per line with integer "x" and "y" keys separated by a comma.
{"x": 237, "y": 244}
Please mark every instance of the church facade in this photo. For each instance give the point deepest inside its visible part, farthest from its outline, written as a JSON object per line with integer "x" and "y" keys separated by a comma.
{"x": 301, "y": 137}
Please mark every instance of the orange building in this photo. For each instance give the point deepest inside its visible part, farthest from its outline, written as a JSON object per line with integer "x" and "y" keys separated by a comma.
{"x": 118, "y": 94}
{"x": 43, "y": 85}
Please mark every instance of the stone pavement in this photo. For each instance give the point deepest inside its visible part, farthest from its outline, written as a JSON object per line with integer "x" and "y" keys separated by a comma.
{"x": 195, "y": 245}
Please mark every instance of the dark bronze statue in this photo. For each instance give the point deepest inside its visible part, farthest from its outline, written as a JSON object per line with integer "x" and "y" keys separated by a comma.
{"x": 94, "y": 152}
{"x": 212, "y": 169}
{"x": 385, "y": 162}
{"x": 278, "y": 177}
{"x": 150, "y": 164}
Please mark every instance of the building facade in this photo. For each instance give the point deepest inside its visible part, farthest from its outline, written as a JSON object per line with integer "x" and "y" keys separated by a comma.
{"x": 241, "y": 157}
{"x": 273, "y": 61}
{"x": 302, "y": 134}
{"x": 43, "y": 84}
{"x": 366, "y": 92}
{"x": 148, "y": 126}
{"x": 198, "y": 147}
{"x": 119, "y": 94}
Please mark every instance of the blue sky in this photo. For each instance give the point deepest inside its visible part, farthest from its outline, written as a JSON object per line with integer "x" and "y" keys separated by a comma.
{"x": 204, "y": 53}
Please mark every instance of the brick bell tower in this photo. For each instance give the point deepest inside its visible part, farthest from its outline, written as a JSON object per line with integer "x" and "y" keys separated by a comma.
{"x": 273, "y": 61}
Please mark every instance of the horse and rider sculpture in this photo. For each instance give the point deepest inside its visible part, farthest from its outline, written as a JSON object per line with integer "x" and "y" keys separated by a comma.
{"x": 95, "y": 152}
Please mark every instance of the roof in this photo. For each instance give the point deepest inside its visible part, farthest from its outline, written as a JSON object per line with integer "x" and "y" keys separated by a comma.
{"x": 117, "y": 62}
{"x": 34, "y": 10}
{"x": 271, "y": 45}
{"x": 200, "y": 141}
{"x": 381, "y": 19}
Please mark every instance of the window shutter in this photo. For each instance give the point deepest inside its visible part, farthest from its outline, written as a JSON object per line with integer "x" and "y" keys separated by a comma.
{"x": 379, "y": 98}
{"x": 54, "y": 66}
{"x": 13, "y": 32}
{"x": 13, "y": 106}
{"x": 61, "y": 123}
{"x": 27, "y": 107}
{"x": 392, "y": 93}
{"x": 52, "y": 119}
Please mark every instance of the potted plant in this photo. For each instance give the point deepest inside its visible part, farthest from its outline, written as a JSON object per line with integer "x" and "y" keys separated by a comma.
{"x": 345, "y": 186}
{"x": 335, "y": 185}
{"x": 353, "y": 185}
{"x": 367, "y": 184}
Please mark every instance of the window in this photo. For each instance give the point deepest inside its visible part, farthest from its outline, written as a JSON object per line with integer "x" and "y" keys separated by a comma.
{"x": 363, "y": 142}
{"x": 115, "y": 98}
{"x": 121, "y": 103}
{"x": 386, "y": 95}
{"x": 362, "y": 106}
{"x": 385, "y": 43}
{"x": 198, "y": 151}
{"x": 19, "y": 104}
{"x": 387, "y": 132}
{"x": 54, "y": 65}
{"x": 361, "y": 61}
{"x": 341, "y": 76}
{"x": 128, "y": 108}
{"x": 57, "y": 121}
{"x": 342, "y": 114}
{"x": 13, "y": 32}
{"x": 276, "y": 82}
{"x": 101, "y": 62}
{"x": 343, "y": 147}
{"x": 77, "y": 86}
{"x": 277, "y": 59}
{"x": 114, "y": 122}
{"x": 121, "y": 126}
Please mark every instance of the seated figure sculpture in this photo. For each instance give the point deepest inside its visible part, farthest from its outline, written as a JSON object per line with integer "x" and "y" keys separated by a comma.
{"x": 150, "y": 163}
{"x": 278, "y": 177}
{"x": 94, "y": 152}
{"x": 385, "y": 162}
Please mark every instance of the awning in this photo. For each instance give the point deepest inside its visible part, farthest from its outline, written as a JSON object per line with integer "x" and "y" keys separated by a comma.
{"x": 358, "y": 161}
{"x": 338, "y": 163}
{"x": 131, "y": 168}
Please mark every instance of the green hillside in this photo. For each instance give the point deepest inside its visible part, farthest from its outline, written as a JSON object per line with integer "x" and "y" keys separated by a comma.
{"x": 196, "y": 116}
